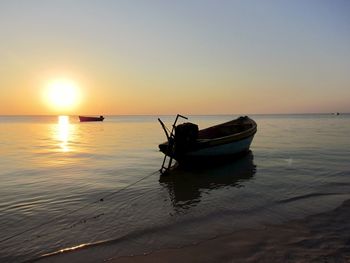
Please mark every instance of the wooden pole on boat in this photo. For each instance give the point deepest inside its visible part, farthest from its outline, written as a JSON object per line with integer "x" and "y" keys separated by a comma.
{"x": 168, "y": 148}
{"x": 164, "y": 128}
{"x": 171, "y": 142}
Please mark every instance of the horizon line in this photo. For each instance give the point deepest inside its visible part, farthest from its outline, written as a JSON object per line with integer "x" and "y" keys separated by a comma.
{"x": 170, "y": 114}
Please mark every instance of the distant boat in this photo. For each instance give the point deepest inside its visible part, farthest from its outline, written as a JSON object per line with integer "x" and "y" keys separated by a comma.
{"x": 86, "y": 118}
{"x": 189, "y": 145}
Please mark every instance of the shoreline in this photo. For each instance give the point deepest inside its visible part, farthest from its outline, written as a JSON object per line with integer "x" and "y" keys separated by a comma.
{"x": 317, "y": 238}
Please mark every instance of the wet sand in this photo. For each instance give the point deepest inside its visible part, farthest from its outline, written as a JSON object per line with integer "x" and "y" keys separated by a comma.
{"x": 318, "y": 238}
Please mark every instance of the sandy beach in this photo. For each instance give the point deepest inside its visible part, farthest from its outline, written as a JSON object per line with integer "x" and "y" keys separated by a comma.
{"x": 317, "y": 238}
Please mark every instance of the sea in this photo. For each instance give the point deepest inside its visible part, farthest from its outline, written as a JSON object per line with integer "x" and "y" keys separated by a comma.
{"x": 89, "y": 192}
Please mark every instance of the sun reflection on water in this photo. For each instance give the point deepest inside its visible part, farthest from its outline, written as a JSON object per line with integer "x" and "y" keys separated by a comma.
{"x": 63, "y": 133}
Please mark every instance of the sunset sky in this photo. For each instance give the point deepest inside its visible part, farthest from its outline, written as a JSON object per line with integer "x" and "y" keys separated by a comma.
{"x": 167, "y": 57}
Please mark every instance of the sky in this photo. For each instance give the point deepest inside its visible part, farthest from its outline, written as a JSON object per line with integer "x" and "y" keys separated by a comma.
{"x": 168, "y": 57}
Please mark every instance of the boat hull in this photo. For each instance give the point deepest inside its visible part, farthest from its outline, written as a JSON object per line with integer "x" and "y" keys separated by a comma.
{"x": 222, "y": 150}
{"x": 216, "y": 154}
{"x": 87, "y": 119}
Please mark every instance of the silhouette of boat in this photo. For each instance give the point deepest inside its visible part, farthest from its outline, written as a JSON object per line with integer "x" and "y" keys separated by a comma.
{"x": 86, "y": 118}
{"x": 188, "y": 145}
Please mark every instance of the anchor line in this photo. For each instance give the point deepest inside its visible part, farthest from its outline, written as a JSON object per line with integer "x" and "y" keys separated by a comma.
{"x": 78, "y": 209}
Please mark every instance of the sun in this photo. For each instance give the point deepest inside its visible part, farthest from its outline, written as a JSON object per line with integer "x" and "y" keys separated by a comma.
{"x": 62, "y": 95}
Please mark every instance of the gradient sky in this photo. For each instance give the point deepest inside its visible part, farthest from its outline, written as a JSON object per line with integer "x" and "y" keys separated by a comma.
{"x": 167, "y": 57}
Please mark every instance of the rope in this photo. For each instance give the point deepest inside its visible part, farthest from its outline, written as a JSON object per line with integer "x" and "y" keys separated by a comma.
{"x": 76, "y": 210}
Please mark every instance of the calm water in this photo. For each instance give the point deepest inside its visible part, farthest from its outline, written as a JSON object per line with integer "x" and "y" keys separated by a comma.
{"x": 65, "y": 184}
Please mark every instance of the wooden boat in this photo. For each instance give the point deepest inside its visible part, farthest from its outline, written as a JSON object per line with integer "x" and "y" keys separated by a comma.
{"x": 86, "y": 118}
{"x": 189, "y": 145}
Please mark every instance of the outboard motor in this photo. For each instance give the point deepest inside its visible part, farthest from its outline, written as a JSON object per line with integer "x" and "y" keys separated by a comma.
{"x": 186, "y": 135}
